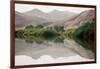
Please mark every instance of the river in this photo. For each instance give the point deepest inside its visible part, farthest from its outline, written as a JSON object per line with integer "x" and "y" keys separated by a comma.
{"x": 50, "y": 52}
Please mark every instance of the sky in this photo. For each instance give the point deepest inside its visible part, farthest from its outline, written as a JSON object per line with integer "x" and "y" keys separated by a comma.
{"x": 26, "y": 7}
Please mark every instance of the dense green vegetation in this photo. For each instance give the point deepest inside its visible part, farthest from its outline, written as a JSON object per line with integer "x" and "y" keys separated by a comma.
{"x": 83, "y": 35}
{"x": 39, "y": 33}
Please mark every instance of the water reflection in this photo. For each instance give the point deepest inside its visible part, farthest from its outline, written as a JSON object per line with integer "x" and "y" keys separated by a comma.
{"x": 55, "y": 47}
{"x": 41, "y": 40}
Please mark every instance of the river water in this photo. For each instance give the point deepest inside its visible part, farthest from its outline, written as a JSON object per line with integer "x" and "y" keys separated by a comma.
{"x": 50, "y": 52}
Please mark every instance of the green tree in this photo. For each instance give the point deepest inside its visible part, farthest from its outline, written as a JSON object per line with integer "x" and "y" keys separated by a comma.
{"x": 59, "y": 28}
{"x": 19, "y": 34}
{"x": 39, "y": 26}
{"x": 29, "y": 27}
{"x": 84, "y": 35}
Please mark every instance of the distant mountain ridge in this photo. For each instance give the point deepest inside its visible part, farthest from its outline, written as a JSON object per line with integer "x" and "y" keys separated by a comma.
{"x": 35, "y": 12}
{"x": 85, "y": 16}
{"x": 53, "y": 18}
{"x": 22, "y": 20}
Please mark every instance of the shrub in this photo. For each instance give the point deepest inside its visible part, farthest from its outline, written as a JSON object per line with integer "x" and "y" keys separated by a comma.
{"x": 29, "y": 27}
{"x": 84, "y": 35}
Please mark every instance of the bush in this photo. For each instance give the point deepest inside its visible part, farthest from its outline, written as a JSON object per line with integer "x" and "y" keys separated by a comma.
{"x": 49, "y": 33}
{"x": 59, "y": 28}
{"x": 29, "y": 27}
{"x": 39, "y": 26}
{"x": 19, "y": 34}
{"x": 84, "y": 35}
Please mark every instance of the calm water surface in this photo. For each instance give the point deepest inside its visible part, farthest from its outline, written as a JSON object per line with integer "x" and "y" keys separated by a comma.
{"x": 56, "y": 49}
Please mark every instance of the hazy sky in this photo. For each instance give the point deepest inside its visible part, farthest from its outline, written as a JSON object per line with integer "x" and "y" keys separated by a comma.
{"x": 27, "y": 7}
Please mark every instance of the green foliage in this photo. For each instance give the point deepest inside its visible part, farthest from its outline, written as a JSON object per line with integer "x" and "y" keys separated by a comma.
{"x": 69, "y": 33}
{"x": 49, "y": 33}
{"x": 84, "y": 35}
{"x": 59, "y": 28}
{"x": 39, "y": 26}
{"x": 39, "y": 33}
{"x": 29, "y": 27}
{"x": 19, "y": 34}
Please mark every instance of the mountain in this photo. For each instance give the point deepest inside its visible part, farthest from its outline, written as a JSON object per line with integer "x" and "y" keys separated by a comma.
{"x": 54, "y": 16}
{"x": 57, "y": 15}
{"x": 36, "y": 12}
{"x": 80, "y": 19}
{"x": 22, "y": 20}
